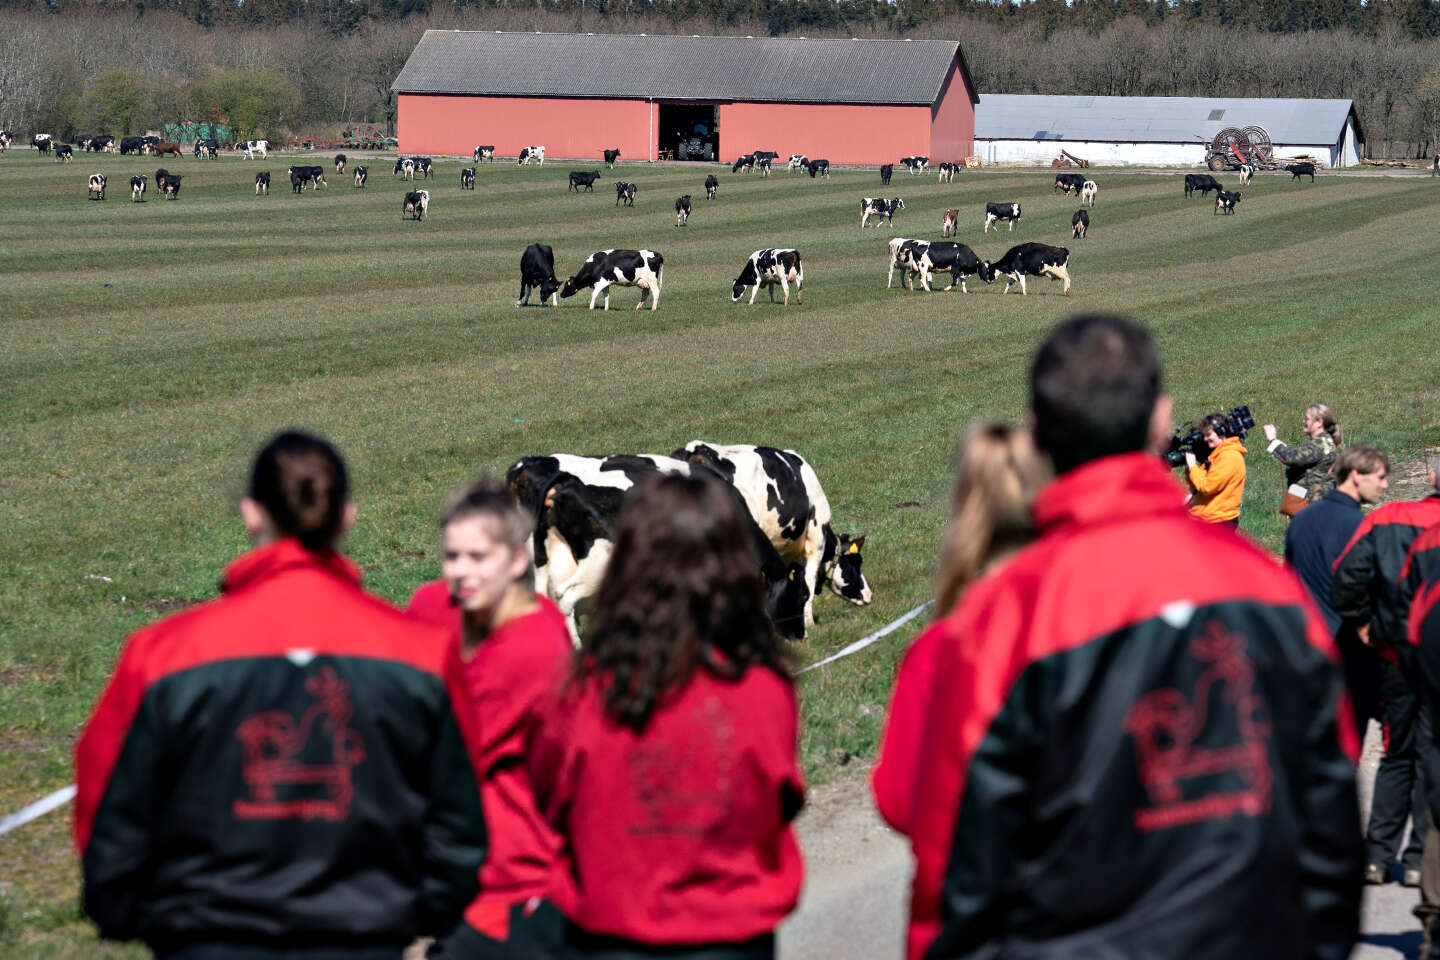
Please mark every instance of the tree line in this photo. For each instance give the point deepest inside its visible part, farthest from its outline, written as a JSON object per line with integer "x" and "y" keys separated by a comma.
{"x": 276, "y": 68}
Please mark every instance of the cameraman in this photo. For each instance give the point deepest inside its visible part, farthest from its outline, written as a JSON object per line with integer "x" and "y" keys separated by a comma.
{"x": 1219, "y": 482}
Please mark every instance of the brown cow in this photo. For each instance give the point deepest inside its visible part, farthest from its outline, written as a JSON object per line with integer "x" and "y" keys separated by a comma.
{"x": 164, "y": 147}
{"x": 949, "y": 223}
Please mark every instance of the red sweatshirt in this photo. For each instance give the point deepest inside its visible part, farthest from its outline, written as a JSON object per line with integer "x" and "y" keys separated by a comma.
{"x": 509, "y": 674}
{"x": 680, "y": 834}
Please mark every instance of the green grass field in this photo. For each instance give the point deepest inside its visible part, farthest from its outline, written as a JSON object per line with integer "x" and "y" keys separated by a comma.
{"x": 150, "y": 348}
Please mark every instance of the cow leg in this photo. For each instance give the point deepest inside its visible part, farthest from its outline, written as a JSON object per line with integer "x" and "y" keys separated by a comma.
{"x": 785, "y": 288}
{"x": 595, "y": 292}
{"x": 1023, "y": 291}
{"x": 799, "y": 280}
{"x": 753, "y": 291}
{"x": 1061, "y": 273}
{"x": 890, "y": 277}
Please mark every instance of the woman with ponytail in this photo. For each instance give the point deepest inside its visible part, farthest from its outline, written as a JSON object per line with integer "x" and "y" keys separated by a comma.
{"x": 291, "y": 765}
{"x": 1307, "y": 465}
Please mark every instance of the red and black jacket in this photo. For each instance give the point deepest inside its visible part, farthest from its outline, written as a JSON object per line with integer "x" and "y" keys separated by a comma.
{"x": 1134, "y": 743}
{"x": 1419, "y": 572}
{"x": 291, "y": 763}
{"x": 1366, "y": 588}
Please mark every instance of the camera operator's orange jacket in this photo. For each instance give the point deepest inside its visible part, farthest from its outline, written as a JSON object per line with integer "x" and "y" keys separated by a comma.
{"x": 1219, "y": 483}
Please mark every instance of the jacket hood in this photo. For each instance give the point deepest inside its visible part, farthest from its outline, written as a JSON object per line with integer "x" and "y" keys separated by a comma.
{"x": 283, "y": 556}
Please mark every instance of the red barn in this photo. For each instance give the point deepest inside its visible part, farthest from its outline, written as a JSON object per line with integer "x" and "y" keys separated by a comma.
{"x": 848, "y": 101}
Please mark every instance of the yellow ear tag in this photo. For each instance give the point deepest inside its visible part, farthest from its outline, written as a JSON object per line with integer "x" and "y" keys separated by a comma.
{"x": 792, "y": 575}
{"x": 854, "y": 548}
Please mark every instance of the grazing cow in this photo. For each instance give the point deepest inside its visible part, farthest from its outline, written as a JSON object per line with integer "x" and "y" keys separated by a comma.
{"x": 262, "y": 183}
{"x": 361, "y": 173}
{"x": 746, "y": 162}
{"x": 171, "y": 186}
{"x": 626, "y": 192}
{"x": 957, "y": 258}
{"x": 797, "y": 162}
{"x": 764, "y": 165}
{"x": 575, "y": 501}
{"x": 949, "y": 223}
{"x": 887, "y": 170}
{"x": 682, "y": 210}
{"x": 904, "y": 253}
{"x": 102, "y": 144}
{"x": 915, "y": 164}
{"x": 611, "y": 156}
{"x": 711, "y": 185}
{"x": 486, "y": 152}
{"x": 83, "y": 141}
{"x": 467, "y": 178}
{"x": 1034, "y": 259}
{"x": 340, "y": 161}
{"x": 5, "y": 137}
{"x": 580, "y": 179}
{"x": 1202, "y": 182}
{"x": 1225, "y": 202}
{"x": 42, "y": 142}
{"x": 166, "y": 146}
{"x": 404, "y": 168}
{"x": 765, "y": 268}
{"x": 415, "y": 204}
{"x": 150, "y": 143}
{"x": 625, "y": 268}
{"x": 765, "y": 154}
{"x": 1065, "y": 182}
{"x": 97, "y": 186}
{"x": 1298, "y": 170}
{"x": 1246, "y": 172}
{"x": 948, "y": 171}
{"x": 134, "y": 145}
{"x": 1088, "y": 192}
{"x": 1079, "y": 224}
{"x": 161, "y": 176}
{"x": 313, "y": 175}
{"x": 818, "y": 168}
{"x": 537, "y": 269}
{"x": 785, "y": 499}
{"x": 995, "y": 212}
{"x": 252, "y": 147}
{"x": 299, "y": 176}
{"x": 198, "y": 148}
{"x": 137, "y": 188}
{"x": 64, "y": 153}
{"x": 424, "y": 168}
{"x": 879, "y": 207}
{"x": 529, "y": 155}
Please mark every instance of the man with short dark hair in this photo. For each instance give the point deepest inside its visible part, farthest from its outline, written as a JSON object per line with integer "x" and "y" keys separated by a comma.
{"x": 1129, "y": 713}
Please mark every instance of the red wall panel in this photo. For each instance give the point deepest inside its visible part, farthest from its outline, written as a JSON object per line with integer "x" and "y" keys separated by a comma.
{"x": 435, "y": 124}
{"x": 952, "y": 120}
{"x": 838, "y": 132}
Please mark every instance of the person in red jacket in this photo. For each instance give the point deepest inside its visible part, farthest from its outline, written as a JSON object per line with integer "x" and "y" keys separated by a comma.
{"x": 516, "y": 651}
{"x": 668, "y": 763}
{"x": 1138, "y": 744}
{"x": 289, "y": 766}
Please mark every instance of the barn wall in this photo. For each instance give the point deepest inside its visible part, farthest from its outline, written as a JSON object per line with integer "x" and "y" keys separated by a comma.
{"x": 567, "y": 128}
{"x": 840, "y": 133}
{"x": 1104, "y": 154}
{"x": 952, "y": 119}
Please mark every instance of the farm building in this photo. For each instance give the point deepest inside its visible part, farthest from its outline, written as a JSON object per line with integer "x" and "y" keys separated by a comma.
{"x": 1123, "y": 131}
{"x": 848, "y": 101}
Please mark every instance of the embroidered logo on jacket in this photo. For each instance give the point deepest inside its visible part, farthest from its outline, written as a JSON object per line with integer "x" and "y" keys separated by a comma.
{"x": 1228, "y": 776}
{"x": 284, "y": 783}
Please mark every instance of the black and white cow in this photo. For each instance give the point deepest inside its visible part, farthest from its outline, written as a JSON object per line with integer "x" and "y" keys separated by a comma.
{"x": 579, "y": 178}
{"x": 765, "y": 154}
{"x": 361, "y": 174}
{"x": 1225, "y": 202}
{"x": 995, "y": 212}
{"x": 64, "y": 153}
{"x": 915, "y": 164}
{"x": 1032, "y": 259}
{"x": 682, "y": 210}
{"x": 83, "y": 141}
{"x": 137, "y": 188}
{"x": 1079, "y": 224}
{"x": 340, "y": 161}
{"x": 537, "y": 269}
{"x": 611, "y": 156}
{"x": 424, "y": 168}
{"x": 1246, "y": 172}
{"x": 575, "y": 501}
{"x": 5, "y": 138}
{"x": 764, "y": 164}
{"x": 171, "y": 186}
{"x": 797, "y": 162}
{"x": 162, "y": 176}
{"x": 624, "y": 192}
{"x": 948, "y": 171}
{"x": 252, "y": 147}
{"x": 787, "y": 503}
{"x": 941, "y": 256}
{"x": 467, "y": 178}
{"x": 104, "y": 143}
{"x": 1088, "y": 192}
{"x": 486, "y": 152}
{"x": 711, "y": 185}
{"x": 818, "y": 168}
{"x": 746, "y": 162}
{"x": 887, "y": 170}
{"x": 199, "y": 148}
{"x": 766, "y": 268}
{"x": 415, "y": 204}
{"x": 1298, "y": 170}
{"x": 42, "y": 142}
{"x": 529, "y": 155}
{"x": 404, "y": 168}
{"x": 1066, "y": 182}
{"x": 135, "y": 145}
{"x": 879, "y": 207}
{"x": 1202, "y": 182}
{"x": 262, "y": 183}
{"x": 905, "y": 254}
{"x": 624, "y": 268}
{"x": 97, "y": 186}
{"x": 311, "y": 174}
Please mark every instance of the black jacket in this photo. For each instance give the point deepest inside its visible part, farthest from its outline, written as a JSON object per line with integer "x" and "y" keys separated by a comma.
{"x": 1316, "y": 537}
{"x": 1366, "y": 588}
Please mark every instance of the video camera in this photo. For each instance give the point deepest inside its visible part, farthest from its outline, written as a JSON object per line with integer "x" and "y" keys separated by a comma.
{"x": 1190, "y": 439}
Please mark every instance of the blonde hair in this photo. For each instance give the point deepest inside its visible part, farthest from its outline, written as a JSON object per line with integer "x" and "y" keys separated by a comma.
{"x": 1326, "y": 416}
{"x": 997, "y": 476}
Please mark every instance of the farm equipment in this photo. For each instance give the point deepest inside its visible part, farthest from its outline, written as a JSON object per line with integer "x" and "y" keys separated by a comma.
{"x": 1234, "y": 146}
{"x": 1066, "y": 159}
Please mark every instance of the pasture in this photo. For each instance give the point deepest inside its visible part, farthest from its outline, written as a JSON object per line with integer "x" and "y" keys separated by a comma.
{"x": 150, "y": 348}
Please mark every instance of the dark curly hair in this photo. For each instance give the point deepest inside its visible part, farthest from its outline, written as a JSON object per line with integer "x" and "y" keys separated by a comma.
{"x": 682, "y": 590}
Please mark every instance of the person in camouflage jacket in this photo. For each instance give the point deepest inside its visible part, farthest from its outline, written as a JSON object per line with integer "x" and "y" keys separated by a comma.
{"x": 1309, "y": 463}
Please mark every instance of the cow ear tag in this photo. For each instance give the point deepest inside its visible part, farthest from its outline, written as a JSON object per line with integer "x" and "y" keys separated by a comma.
{"x": 854, "y": 548}
{"x": 792, "y": 575}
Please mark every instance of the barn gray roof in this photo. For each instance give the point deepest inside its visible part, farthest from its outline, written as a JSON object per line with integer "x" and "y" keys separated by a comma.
{"x": 1158, "y": 119}
{"x": 680, "y": 68}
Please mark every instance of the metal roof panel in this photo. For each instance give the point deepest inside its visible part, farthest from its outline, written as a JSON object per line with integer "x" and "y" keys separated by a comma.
{"x": 1157, "y": 119}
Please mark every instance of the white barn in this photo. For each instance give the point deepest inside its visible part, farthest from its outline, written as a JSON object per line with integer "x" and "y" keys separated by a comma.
{"x": 1134, "y": 131}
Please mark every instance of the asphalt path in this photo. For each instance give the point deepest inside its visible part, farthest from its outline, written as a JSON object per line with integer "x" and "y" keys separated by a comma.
{"x": 858, "y": 878}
